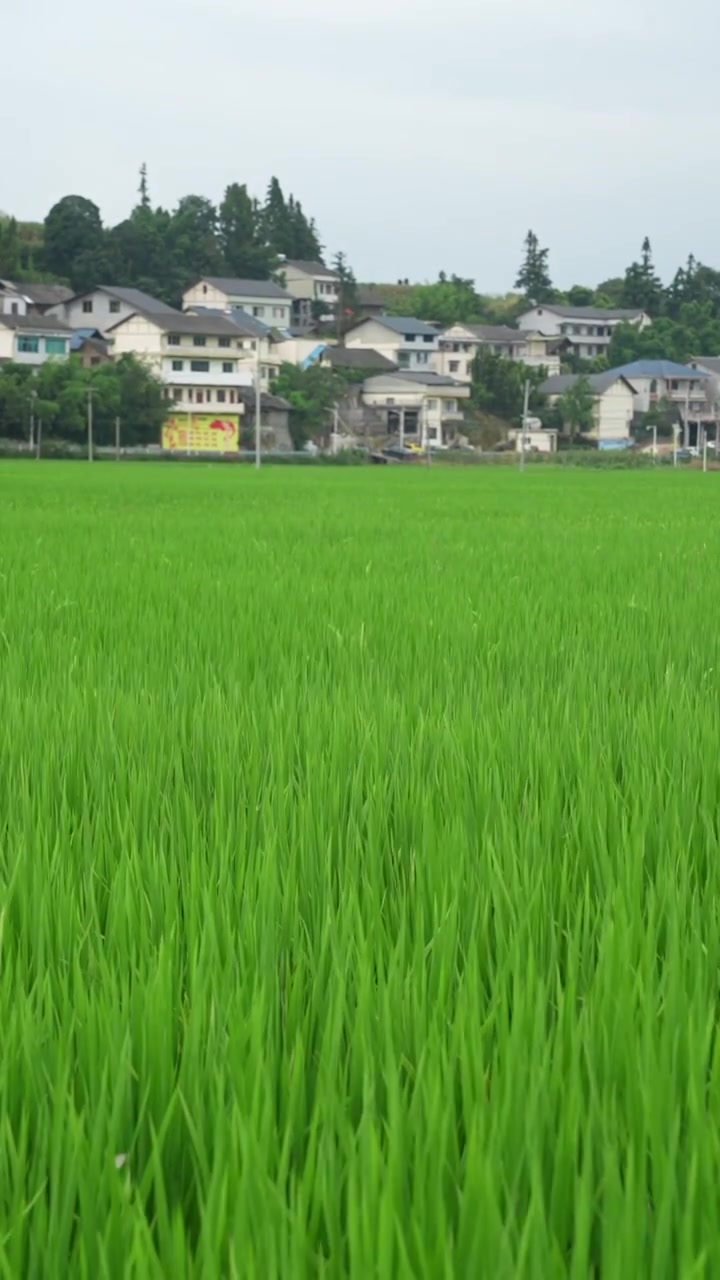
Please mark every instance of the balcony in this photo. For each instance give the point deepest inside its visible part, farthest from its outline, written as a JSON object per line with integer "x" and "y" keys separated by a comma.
{"x": 243, "y": 376}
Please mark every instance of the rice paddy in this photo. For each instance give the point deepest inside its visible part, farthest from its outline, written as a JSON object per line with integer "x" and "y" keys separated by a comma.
{"x": 359, "y": 873}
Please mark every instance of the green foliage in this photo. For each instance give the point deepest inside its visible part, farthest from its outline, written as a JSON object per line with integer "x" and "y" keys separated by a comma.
{"x": 575, "y": 407}
{"x": 73, "y": 230}
{"x": 360, "y": 873}
{"x": 313, "y": 392}
{"x": 695, "y": 331}
{"x": 643, "y": 288}
{"x": 534, "y": 277}
{"x": 498, "y": 385}
{"x": 58, "y": 394}
{"x": 244, "y": 252}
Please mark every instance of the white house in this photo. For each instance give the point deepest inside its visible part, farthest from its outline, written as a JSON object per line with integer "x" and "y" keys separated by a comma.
{"x": 460, "y": 344}
{"x": 263, "y": 299}
{"x": 656, "y": 380}
{"x": 202, "y": 361}
{"x": 259, "y": 341}
{"x": 422, "y": 407}
{"x": 537, "y": 439}
{"x": 409, "y": 343}
{"x": 589, "y": 330}
{"x": 32, "y": 339}
{"x": 308, "y": 283}
{"x": 613, "y": 405}
{"x": 105, "y": 307}
{"x": 18, "y": 298}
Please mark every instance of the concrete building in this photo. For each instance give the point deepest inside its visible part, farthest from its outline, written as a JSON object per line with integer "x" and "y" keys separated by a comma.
{"x": 537, "y": 439}
{"x": 410, "y": 344}
{"x": 18, "y": 298}
{"x": 262, "y": 299}
{"x": 588, "y": 330}
{"x": 421, "y": 407}
{"x": 460, "y": 344}
{"x": 202, "y": 361}
{"x": 105, "y": 307}
{"x": 313, "y": 287}
{"x": 683, "y": 385}
{"x": 32, "y": 339}
{"x": 613, "y": 405}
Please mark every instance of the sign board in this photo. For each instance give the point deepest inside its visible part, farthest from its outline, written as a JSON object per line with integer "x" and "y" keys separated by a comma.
{"x": 202, "y": 433}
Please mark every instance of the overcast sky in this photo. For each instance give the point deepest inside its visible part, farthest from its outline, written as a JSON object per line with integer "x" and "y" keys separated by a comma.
{"x": 423, "y": 135}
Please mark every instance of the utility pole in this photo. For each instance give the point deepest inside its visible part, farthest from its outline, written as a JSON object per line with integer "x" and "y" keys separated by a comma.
{"x": 258, "y": 405}
{"x": 676, "y": 432}
{"x": 526, "y": 403}
{"x": 686, "y": 433}
{"x": 39, "y": 439}
{"x": 704, "y": 450}
{"x": 33, "y": 398}
{"x": 117, "y": 439}
{"x": 654, "y": 431}
{"x": 91, "y": 451}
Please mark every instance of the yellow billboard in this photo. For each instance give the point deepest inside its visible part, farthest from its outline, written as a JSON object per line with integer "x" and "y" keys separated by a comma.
{"x": 202, "y": 433}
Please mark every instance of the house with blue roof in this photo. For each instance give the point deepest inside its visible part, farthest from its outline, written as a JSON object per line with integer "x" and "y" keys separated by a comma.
{"x": 410, "y": 344}
{"x": 665, "y": 380}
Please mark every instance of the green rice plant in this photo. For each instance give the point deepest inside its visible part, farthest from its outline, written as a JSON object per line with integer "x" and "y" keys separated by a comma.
{"x": 359, "y": 873}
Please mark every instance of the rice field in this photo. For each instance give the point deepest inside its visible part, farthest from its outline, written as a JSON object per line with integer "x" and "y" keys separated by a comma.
{"x": 359, "y": 873}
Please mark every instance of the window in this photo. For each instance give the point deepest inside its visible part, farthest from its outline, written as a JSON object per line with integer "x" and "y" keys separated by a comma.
{"x": 429, "y": 337}
{"x": 409, "y": 337}
{"x": 223, "y": 342}
{"x": 190, "y": 395}
{"x": 94, "y": 359}
{"x": 173, "y": 340}
{"x": 28, "y": 344}
{"x": 454, "y": 366}
{"x": 431, "y": 404}
{"x": 468, "y": 368}
{"x": 228, "y": 366}
{"x": 14, "y": 308}
{"x": 451, "y": 406}
{"x": 258, "y": 311}
{"x": 199, "y": 366}
{"x": 177, "y": 393}
{"x": 178, "y": 365}
{"x": 55, "y": 346}
{"x": 220, "y": 397}
{"x": 232, "y": 397}
{"x": 87, "y": 306}
{"x": 114, "y": 306}
{"x": 278, "y": 313}
{"x": 199, "y": 340}
{"x": 422, "y": 357}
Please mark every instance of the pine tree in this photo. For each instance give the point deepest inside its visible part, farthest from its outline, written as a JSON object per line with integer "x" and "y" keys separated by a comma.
{"x": 533, "y": 277}
{"x": 275, "y": 220}
{"x": 143, "y": 188}
{"x": 243, "y": 251}
{"x": 642, "y": 287}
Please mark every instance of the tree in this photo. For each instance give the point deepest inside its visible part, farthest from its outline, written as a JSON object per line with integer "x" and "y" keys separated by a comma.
{"x": 73, "y": 227}
{"x": 498, "y": 384}
{"x": 581, "y": 295}
{"x": 244, "y": 251}
{"x": 276, "y": 223}
{"x": 313, "y": 393}
{"x": 9, "y": 249}
{"x": 642, "y": 287}
{"x": 575, "y": 407}
{"x": 192, "y": 237}
{"x": 347, "y": 292}
{"x": 143, "y": 188}
{"x": 533, "y": 277}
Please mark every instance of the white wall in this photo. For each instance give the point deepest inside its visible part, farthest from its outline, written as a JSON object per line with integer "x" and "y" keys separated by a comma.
{"x": 275, "y": 312}
{"x": 106, "y": 311}
{"x": 7, "y": 343}
{"x": 613, "y": 413}
{"x": 301, "y": 285}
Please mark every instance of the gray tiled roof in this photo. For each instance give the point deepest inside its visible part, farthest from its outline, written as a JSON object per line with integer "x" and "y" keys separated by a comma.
{"x": 589, "y": 313}
{"x": 35, "y": 324}
{"x": 246, "y": 288}
{"x": 598, "y": 382}
{"x": 209, "y": 324}
{"x": 311, "y": 268}
{"x": 405, "y": 324}
{"x": 357, "y": 358}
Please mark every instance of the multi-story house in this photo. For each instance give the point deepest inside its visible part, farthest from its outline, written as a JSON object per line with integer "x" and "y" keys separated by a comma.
{"x": 262, "y": 299}
{"x": 201, "y": 360}
{"x": 460, "y": 344}
{"x": 613, "y": 405}
{"x": 107, "y": 306}
{"x": 314, "y": 288}
{"x": 418, "y": 407}
{"x": 588, "y": 330}
{"x": 33, "y": 339}
{"x": 409, "y": 343}
{"x": 17, "y": 298}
